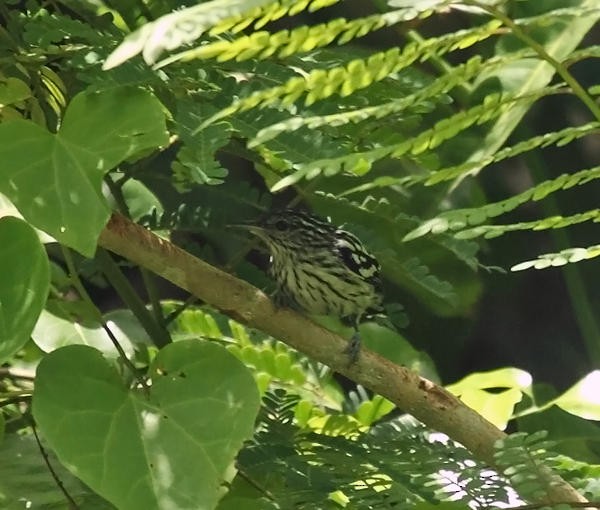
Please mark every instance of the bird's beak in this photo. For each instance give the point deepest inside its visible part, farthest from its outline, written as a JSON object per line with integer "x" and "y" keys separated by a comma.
{"x": 253, "y": 228}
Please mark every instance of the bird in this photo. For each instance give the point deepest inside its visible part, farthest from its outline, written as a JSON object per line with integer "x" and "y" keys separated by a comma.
{"x": 320, "y": 269}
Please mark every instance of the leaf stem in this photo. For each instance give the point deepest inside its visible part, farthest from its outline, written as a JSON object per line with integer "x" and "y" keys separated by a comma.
{"x": 461, "y": 91}
{"x": 255, "y": 484}
{"x": 157, "y": 331}
{"x": 72, "y": 503}
{"x": 181, "y": 308}
{"x": 127, "y": 293}
{"x": 14, "y": 397}
{"x": 78, "y": 284}
{"x": 17, "y": 373}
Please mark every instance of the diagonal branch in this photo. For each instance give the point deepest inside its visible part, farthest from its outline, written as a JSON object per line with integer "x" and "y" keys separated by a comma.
{"x": 426, "y": 401}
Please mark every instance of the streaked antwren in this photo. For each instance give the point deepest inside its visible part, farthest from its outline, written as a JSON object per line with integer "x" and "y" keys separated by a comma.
{"x": 321, "y": 269}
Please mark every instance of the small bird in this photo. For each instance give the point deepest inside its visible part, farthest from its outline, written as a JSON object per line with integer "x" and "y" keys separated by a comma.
{"x": 321, "y": 269}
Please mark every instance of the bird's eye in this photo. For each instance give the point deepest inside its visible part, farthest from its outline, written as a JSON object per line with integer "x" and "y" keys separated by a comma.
{"x": 281, "y": 225}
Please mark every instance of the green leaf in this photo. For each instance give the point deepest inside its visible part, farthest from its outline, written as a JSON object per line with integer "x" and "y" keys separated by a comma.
{"x": 177, "y": 28}
{"x": 13, "y": 90}
{"x": 25, "y": 481}
{"x": 167, "y": 447}
{"x": 24, "y": 284}
{"x": 372, "y": 410}
{"x": 55, "y": 329}
{"x": 346, "y": 79}
{"x": 583, "y": 399}
{"x": 139, "y": 199}
{"x": 7, "y": 208}
{"x": 497, "y": 407}
{"x": 577, "y": 437}
{"x": 55, "y": 180}
{"x": 196, "y": 161}
{"x": 284, "y": 43}
{"x": 567, "y": 256}
{"x": 558, "y": 138}
{"x": 501, "y": 378}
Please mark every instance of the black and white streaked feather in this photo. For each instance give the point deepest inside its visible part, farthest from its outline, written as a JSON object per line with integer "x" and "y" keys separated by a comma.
{"x": 319, "y": 267}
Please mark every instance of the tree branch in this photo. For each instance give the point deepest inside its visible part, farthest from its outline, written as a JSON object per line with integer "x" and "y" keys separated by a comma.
{"x": 426, "y": 401}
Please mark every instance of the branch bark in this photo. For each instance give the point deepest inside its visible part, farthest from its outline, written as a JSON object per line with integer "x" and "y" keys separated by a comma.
{"x": 426, "y": 401}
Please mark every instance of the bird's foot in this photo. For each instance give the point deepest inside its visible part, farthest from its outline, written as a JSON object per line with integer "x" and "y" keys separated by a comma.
{"x": 353, "y": 348}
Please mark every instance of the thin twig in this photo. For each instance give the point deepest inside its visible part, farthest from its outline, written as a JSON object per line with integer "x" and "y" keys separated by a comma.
{"x": 256, "y": 485}
{"x": 154, "y": 323}
{"x": 78, "y": 284}
{"x": 72, "y": 503}
{"x": 17, "y": 373}
{"x": 25, "y": 397}
{"x": 127, "y": 293}
{"x": 181, "y": 308}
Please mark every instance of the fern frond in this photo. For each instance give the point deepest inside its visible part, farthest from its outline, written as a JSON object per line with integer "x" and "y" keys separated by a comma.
{"x": 522, "y": 457}
{"x": 357, "y": 74}
{"x": 289, "y": 148}
{"x": 553, "y": 15}
{"x": 561, "y": 258}
{"x": 196, "y": 162}
{"x": 458, "y": 219}
{"x": 540, "y": 71}
{"x": 420, "y": 276}
{"x": 492, "y": 106}
{"x": 459, "y": 75}
{"x": 278, "y": 407}
{"x": 186, "y": 25}
{"x": 558, "y": 138}
{"x": 491, "y": 231}
{"x": 262, "y": 15}
{"x": 203, "y": 208}
{"x": 284, "y": 43}
{"x": 582, "y": 54}
{"x": 399, "y": 221}
{"x": 196, "y": 166}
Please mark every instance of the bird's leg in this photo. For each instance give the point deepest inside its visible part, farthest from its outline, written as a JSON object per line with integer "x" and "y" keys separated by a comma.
{"x": 354, "y": 344}
{"x": 353, "y": 348}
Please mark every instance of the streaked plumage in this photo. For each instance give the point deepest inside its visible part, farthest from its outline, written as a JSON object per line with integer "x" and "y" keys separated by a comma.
{"x": 320, "y": 268}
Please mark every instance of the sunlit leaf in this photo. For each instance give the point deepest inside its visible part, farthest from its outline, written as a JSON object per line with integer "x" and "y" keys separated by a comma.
{"x": 583, "y": 399}
{"x": 55, "y": 180}
{"x": 168, "y": 446}
{"x": 24, "y": 284}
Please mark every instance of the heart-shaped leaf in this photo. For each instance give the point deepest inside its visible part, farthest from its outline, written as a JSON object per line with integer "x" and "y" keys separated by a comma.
{"x": 24, "y": 283}
{"x": 165, "y": 448}
{"x": 55, "y": 180}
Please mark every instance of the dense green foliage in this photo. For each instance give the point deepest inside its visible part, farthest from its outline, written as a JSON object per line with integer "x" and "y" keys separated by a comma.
{"x": 193, "y": 119}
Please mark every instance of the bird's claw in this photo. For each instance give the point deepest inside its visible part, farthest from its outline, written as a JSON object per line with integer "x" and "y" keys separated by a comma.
{"x": 353, "y": 348}
{"x": 281, "y": 299}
